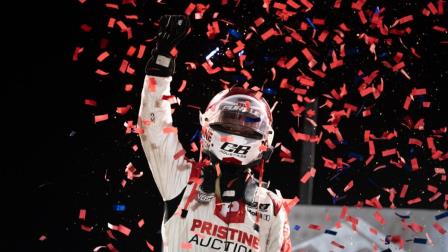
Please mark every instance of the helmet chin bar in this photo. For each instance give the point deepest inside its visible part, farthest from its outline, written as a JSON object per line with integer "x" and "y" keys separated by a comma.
{"x": 265, "y": 157}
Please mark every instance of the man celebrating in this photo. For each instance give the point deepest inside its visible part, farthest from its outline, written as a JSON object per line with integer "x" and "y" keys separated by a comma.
{"x": 214, "y": 204}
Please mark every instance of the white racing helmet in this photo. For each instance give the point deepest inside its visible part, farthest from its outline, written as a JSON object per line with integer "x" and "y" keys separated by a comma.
{"x": 237, "y": 127}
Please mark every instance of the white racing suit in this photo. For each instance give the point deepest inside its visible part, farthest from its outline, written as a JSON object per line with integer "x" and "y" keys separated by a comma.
{"x": 212, "y": 226}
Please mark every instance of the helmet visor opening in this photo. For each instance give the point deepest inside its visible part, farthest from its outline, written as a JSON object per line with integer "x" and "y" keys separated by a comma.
{"x": 239, "y": 121}
{"x": 237, "y": 129}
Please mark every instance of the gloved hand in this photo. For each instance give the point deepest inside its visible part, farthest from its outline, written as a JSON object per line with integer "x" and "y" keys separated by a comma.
{"x": 173, "y": 28}
{"x": 208, "y": 174}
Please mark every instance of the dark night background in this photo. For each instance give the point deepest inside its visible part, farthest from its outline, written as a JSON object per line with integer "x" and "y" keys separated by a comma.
{"x": 56, "y": 158}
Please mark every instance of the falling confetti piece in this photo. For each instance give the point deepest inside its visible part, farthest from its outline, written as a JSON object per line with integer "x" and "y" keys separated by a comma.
{"x": 100, "y": 118}
{"x": 441, "y": 216}
{"x": 120, "y": 228}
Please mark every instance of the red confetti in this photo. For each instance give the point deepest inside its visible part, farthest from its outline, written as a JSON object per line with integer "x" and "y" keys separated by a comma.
{"x": 120, "y": 228}
{"x": 414, "y": 164}
{"x": 190, "y": 8}
{"x": 102, "y": 56}
{"x": 313, "y": 226}
{"x": 123, "y": 110}
{"x": 186, "y": 245}
{"x": 194, "y": 147}
{"x": 179, "y": 154}
{"x": 307, "y": 4}
{"x": 334, "y": 243}
{"x": 90, "y": 102}
{"x": 86, "y": 28}
{"x": 439, "y": 228}
{"x": 82, "y": 214}
{"x": 141, "y": 223}
{"x": 112, "y": 6}
{"x": 100, "y": 118}
{"x": 344, "y": 212}
{"x": 432, "y": 8}
{"x": 111, "y": 247}
{"x": 169, "y": 130}
{"x": 435, "y": 196}
{"x": 308, "y": 175}
{"x": 76, "y": 53}
{"x": 269, "y": 33}
{"x": 404, "y": 189}
{"x": 128, "y": 87}
{"x": 111, "y": 22}
{"x": 414, "y": 201}
{"x": 150, "y": 246}
{"x": 416, "y": 227}
{"x": 152, "y": 84}
{"x": 209, "y": 69}
{"x": 293, "y": 4}
{"x": 259, "y": 21}
{"x": 379, "y": 218}
{"x": 86, "y": 228}
{"x": 348, "y": 186}
{"x": 141, "y": 51}
{"x": 389, "y": 152}
{"x": 101, "y": 72}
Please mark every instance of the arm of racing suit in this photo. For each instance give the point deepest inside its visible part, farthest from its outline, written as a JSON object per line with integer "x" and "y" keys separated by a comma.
{"x": 160, "y": 143}
{"x": 170, "y": 174}
{"x": 279, "y": 234}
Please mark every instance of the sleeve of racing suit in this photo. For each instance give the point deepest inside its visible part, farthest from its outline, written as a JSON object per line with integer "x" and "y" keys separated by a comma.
{"x": 161, "y": 144}
{"x": 279, "y": 239}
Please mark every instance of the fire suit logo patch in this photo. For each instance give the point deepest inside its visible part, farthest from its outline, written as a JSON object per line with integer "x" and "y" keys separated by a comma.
{"x": 222, "y": 238}
{"x": 232, "y": 149}
{"x": 233, "y": 212}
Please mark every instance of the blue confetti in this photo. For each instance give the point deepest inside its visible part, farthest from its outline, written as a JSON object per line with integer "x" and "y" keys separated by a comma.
{"x": 403, "y": 216}
{"x": 119, "y": 208}
{"x": 197, "y": 134}
{"x": 328, "y": 231}
{"x": 351, "y": 51}
{"x": 359, "y": 79}
{"x": 383, "y": 55}
{"x": 333, "y": 200}
{"x": 344, "y": 142}
{"x": 359, "y": 110}
{"x": 269, "y": 91}
{"x": 296, "y": 227}
{"x": 311, "y": 23}
{"x": 356, "y": 155}
{"x": 377, "y": 10}
{"x": 407, "y": 167}
{"x": 441, "y": 216}
{"x": 420, "y": 240}
{"x": 234, "y": 33}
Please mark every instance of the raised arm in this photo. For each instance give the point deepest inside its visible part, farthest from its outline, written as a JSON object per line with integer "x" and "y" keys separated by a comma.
{"x": 159, "y": 139}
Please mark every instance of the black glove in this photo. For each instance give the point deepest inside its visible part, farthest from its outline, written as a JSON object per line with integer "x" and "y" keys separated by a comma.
{"x": 173, "y": 28}
{"x": 208, "y": 174}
